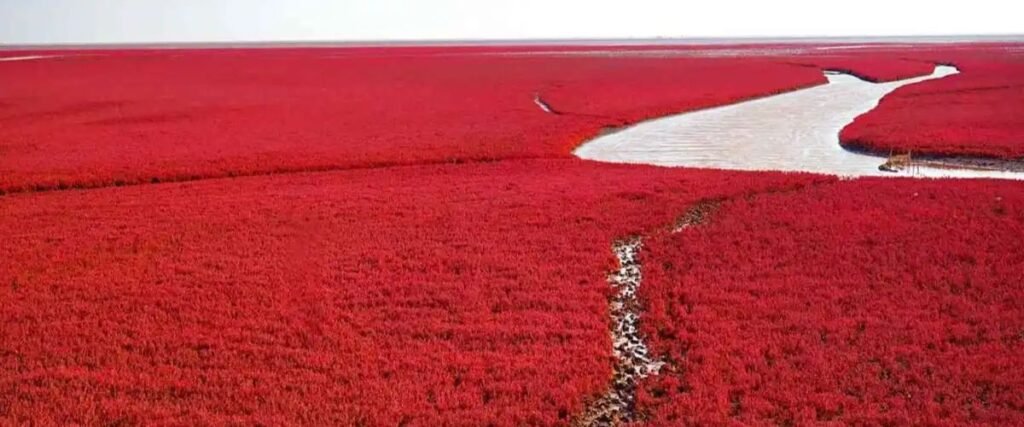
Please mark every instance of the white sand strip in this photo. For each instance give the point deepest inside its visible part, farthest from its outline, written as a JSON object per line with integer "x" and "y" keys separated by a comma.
{"x": 865, "y": 46}
{"x": 25, "y": 58}
{"x": 543, "y": 105}
{"x": 795, "y": 131}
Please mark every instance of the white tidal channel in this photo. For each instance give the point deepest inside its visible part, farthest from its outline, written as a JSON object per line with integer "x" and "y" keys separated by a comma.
{"x": 794, "y": 132}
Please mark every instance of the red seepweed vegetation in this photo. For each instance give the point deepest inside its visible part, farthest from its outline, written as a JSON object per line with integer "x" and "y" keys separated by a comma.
{"x": 442, "y": 294}
{"x": 860, "y": 302}
{"x": 99, "y": 119}
{"x": 977, "y": 113}
{"x": 870, "y": 66}
{"x": 458, "y": 276}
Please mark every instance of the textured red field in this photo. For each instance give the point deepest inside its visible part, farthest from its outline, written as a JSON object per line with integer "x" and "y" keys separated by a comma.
{"x": 979, "y": 112}
{"x": 437, "y": 294}
{"x": 401, "y": 236}
{"x": 870, "y": 66}
{"x": 880, "y": 302}
{"x": 90, "y": 120}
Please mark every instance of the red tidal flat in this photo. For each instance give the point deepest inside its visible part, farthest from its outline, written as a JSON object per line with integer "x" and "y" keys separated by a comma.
{"x": 979, "y": 112}
{"x": 108, "y": 118}
{"x": 871, "y": 66}
{"x": 460, "y": 294}
{"x": 865, "y": 302}
{"x": 456, "y": 273}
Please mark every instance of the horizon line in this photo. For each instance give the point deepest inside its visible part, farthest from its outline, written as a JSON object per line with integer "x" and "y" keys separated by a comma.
{"x": 581, "y": 41}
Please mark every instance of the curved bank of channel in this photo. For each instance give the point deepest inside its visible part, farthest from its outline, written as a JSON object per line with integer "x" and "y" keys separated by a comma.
{"x": 796, "y": 132}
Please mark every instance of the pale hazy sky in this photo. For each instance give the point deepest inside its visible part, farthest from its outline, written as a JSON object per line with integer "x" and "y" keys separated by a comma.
{"x": 121, "y": 21}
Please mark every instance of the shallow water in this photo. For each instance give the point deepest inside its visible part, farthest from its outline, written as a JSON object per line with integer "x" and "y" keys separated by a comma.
{"x": 796, "y": 131}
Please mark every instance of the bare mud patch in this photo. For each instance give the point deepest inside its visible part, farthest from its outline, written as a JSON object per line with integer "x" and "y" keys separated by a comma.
{"x": 633, "y": 360}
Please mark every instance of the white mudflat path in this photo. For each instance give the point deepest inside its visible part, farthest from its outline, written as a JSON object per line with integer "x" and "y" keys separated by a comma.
{"x": 795, "y": 132}
{"x": 25, "y": 58}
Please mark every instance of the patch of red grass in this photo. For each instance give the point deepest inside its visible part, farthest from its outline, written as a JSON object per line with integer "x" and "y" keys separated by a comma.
{"x": 871, "y": 66}
{"x": 979, "y": 112}
{"x": 630, "y": 90}
{"x": 454, "y": 294}
{"x": 443, "y": 293}
{"x": 862, "y": 302}
{"x": 110, "y": 118}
